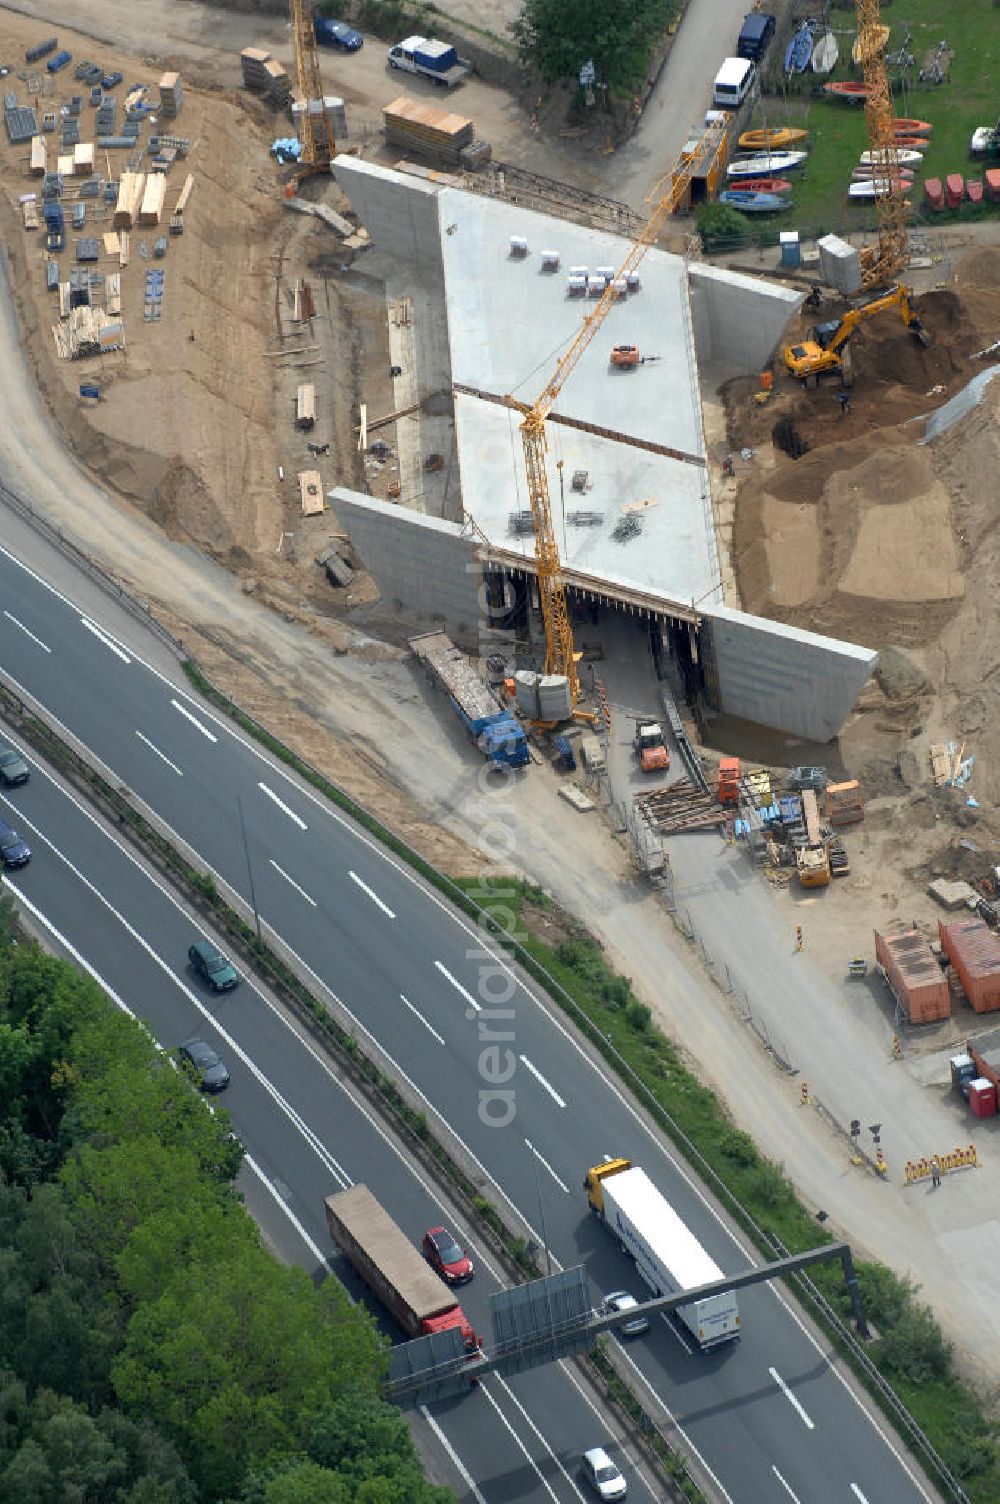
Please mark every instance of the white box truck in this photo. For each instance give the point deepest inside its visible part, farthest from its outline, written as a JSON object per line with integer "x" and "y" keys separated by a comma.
{"x": 667, "y": 1254}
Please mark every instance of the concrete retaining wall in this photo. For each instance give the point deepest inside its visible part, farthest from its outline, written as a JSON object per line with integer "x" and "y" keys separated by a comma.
{"x": 426, "y": 569}
{"x": 399, "y": 212}
{"x": 738, "y": 320}
{"x": 779, "y": 676}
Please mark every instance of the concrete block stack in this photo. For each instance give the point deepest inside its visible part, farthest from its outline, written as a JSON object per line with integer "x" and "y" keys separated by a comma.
{"x": 171, "y": 95}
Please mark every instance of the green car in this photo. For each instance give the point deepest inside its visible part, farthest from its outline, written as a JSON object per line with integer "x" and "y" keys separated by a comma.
{"x": 212, "y": 966}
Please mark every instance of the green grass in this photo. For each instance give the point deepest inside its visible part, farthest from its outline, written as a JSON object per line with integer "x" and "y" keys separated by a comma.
{"x": 837, "y": 133}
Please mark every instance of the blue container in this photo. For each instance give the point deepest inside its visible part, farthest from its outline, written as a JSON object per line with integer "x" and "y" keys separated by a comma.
{"x": 791, "y": 251}
{"x": 90, "y": 391}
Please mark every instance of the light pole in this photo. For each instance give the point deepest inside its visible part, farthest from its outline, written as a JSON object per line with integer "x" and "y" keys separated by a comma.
{"x": 246, "y": 849}
{"x": 541, "y": 1208}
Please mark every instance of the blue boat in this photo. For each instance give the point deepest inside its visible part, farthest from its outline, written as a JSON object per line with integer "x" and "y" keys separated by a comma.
{"x": 754, "y": 203}
{"x": 798, "y": 53}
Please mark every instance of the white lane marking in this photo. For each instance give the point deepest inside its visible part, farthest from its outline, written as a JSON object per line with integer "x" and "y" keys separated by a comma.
{"x": 189, "y": 716}
{"x": 291, "y": 882}
{"x": 108, "y": 642}
{"x": 371, "y": 894}
{"x": 484, "y": 1391}
{"x": 672, "y": 1329}
{"x": 543, "y": 1161}
{"x": 28, "y": 632}
{"x": 658, "y": 1401}
{"x": 790, "y": 1397}
{"x": 280, "y": 1101}
{"x": 476, "y": 1007}
{"x": 429, "y": 1027}
{"x": 475, "y": 937}
{"x": 517, "y": 1404}
{"x": 375, "y": 1127}
{"x": 285, "y": 809}
{"x": 456, "y": 1461}
{"x": 248, "y": 1159}
{"x": 855, "y": 1490}
{"x": 161, "y": 755}
{"x": 68, "y": 946}
{"x": 557, "y": 1099}
{"x": 784, "y": 1485}
{"x": 274, "y": 1193}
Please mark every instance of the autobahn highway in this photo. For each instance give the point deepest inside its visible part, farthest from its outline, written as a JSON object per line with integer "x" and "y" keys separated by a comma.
{"x": 769, "y": 1417}
{"x": 306, "y": 1132}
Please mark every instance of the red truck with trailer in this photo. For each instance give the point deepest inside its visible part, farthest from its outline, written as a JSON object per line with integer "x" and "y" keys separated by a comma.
{"x": 392, "y": 1268}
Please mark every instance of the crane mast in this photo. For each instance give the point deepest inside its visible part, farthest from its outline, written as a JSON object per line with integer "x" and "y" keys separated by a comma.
{"x": 560, "y": 657}
{"x": 315, "y": 131}
{"x": 881, "y": 263}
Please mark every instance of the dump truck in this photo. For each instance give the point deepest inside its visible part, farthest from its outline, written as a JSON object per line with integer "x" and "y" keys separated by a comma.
{"x": 667, "y": 1254}
{"x": 431, "y": 59}
{"x": 392, "y": 1268}
{"x": 499, "y": 735}
{"x": 812, "y": 860}
{"x": 650, "y": 747}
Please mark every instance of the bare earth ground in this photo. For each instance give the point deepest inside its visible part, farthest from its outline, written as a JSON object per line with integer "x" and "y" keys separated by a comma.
{"x": 189, "y": 439}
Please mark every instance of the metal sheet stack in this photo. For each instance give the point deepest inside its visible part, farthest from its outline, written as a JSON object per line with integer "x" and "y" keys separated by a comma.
{"x": 130, "y": 191}
{"x": 21, "y": 124}
{"x": 436, "y": 134}
{"x": 171, "y": 95}
{"x": 153, "y": 198}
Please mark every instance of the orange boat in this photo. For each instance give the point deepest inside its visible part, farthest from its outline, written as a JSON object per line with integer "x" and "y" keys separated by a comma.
{"x": 847, "y": 89}
{"x": 766, "y": 185}
{"x": 911, "y": 143}
{"x": 908, "y": 127}
{"x": 974, "y": 189}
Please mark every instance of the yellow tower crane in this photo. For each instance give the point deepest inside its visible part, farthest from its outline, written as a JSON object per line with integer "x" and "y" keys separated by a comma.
{"x": 560, "y": 657}
{"x": 315, "y": 131}
{"x": 882, "y": 262}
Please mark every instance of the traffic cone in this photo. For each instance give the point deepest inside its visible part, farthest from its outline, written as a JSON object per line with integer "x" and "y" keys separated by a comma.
{"x": 897, "y": 1048}
{"x": 880, "y": 1164}
{"x": 804, "y": 1095}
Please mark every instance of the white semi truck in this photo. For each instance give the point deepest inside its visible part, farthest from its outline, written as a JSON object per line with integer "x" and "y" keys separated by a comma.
{"x": 667, "y": 1254}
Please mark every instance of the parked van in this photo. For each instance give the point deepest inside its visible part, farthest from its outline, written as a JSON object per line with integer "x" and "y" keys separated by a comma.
{"x": 733, "y": 83}
{"x": 755, "y": 38}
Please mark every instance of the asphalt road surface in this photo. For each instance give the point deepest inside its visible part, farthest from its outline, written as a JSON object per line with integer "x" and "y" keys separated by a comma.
{"x": 768, "y": 1417}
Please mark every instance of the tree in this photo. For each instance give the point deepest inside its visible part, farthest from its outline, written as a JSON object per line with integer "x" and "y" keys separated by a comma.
{"x": 721, "y": 224}
{"x": 234, "y": 1361}
{"x": 559, "y": 36}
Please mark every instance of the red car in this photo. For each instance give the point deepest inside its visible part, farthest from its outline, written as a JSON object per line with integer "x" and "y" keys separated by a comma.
{"x": 446, "y": 1257}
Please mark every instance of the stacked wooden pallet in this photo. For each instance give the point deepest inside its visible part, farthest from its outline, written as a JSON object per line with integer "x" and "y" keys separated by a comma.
{"x": 130, "y": 191}
{"x": 153, "y": 198}
{"x": 278, "y": 85}
{"x": 437, "y": 134}
{"x": 252, "y": 60}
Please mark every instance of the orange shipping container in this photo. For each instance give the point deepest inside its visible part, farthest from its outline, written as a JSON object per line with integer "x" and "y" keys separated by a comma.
{"x": 914, "y": 976}
{"x": 974, "y": 951}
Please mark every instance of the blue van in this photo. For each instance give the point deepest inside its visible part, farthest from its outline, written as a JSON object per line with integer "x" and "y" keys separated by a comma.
{"x": 755, "y": 38}
{"x": 13, "y": 851}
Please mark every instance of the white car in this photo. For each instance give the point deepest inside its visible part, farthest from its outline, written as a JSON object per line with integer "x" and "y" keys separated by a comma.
{"x": 602, "y": 1474}
{"x": 619, "y": 1303}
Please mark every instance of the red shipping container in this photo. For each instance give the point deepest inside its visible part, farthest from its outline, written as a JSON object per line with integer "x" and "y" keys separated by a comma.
{"x": 974, "y": 951}
{"x": 983, "y": 1098}
{"x": 914, "y": 976}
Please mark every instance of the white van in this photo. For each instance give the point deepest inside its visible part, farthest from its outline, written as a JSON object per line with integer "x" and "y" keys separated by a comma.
{"x": 733, "y": 83}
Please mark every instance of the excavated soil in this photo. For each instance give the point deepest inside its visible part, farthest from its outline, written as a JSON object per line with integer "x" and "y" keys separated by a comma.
{"x": 880, "y": 539}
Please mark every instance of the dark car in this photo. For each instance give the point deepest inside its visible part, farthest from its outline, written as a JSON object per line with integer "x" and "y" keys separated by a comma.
{"x": 111, "y": 80}
{"x": 202, "y": 1059}
{"x": 755, "y": 38}
{"x": 337, "y": 34}
{"x": 212, "y": 966}
{"x": 13, "y": 851}
{"x": 808, "y": 778}
{"x": 13, "y": 768}
{"x": 446, "y": 1257}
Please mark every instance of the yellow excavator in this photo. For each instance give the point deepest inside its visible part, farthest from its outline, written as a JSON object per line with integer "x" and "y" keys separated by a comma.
{"x": 826, "y": 349}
